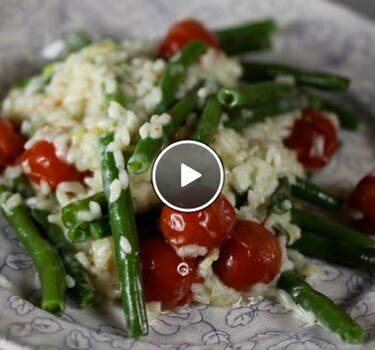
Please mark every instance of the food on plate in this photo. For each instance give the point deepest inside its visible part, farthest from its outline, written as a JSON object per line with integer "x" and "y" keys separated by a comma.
{"x": 77, "y": 144}
{"x": 196, "y": 233}
{"x": 313, "y": 138}
{"x": 362, "y": 202}
{"x": 251, "y": 248}
{"x": 11, "y": 143}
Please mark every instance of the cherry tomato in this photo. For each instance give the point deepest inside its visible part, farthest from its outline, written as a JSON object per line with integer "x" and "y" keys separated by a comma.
{"x": 181, "y": 33}
{"x": 204, "y": 229}
{"x": 11, "y": 143}
{"x": 41, "y": 163}
{"x": 251, "y": 256}
{"x": 362, "y": 200}
{"x": 314, "y": 139}
{"x": 189, "y": 297}
{"x": 166, "y": 277}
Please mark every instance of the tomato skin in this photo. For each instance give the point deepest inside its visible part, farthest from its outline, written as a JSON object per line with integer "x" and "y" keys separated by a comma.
{"x": 11, "y": 143}
{"x": 183, "y": 32}
{"x": 207, "y": 228}
{"x": 166, "y": 277}
{"x": 251, "y": 256}
{"x": 312, "y": 128}
{"x": 41, "y": 163}
{"x": 362, "y": 199}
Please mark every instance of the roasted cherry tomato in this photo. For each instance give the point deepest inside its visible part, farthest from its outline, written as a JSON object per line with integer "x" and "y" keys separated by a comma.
{"x": 252, "y": 255}
{"x": 11, "y": 143}
{"x": 41, "y": 163}
{"x": 193, "y": 234}
{"x": 166, "y": 277}
{"x": 181, "y": 33}
{"x": 314, "y": 139}
{"x": 362, "y": 201}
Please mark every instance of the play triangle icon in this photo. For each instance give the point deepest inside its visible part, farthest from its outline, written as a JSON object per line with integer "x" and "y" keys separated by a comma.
{"x": 188, "y": 175}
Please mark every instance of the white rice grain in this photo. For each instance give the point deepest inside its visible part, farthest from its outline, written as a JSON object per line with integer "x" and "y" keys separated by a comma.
{"x": 15, "y": 200}
{"x": 12, "y": 172}
{"x": 114, "y": 190}
{"x": 191, "y": 251}
{"x": 70, "y": 282}
{"x": 125, "y": 245}
{"x": 53, "y": 50}
{"x": 44, "y": 187}
{"x": 144, "y": 130}
{"x": 95, "y": 209}
{"x": 82, "y": 259}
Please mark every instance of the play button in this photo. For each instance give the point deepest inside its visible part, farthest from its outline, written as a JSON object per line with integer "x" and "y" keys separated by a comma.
{"x": 188, "y": 176}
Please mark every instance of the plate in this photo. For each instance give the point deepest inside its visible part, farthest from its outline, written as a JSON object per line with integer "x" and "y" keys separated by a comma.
{"x": 314, "y": 34}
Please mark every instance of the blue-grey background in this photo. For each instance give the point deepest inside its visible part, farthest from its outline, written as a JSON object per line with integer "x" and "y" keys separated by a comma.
{"x": 365, "y": 7}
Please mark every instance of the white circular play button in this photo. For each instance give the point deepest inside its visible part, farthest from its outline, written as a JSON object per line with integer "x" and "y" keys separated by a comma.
{"x": 188, "y": 175}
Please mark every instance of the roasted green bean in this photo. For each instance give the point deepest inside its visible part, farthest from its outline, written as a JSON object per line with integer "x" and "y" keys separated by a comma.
{"x": 322, "y": 307}
{"x": 124, "y": 232}
{"x": 83, "y": 288}
{"x": 325, "y": 227}
{"x": 49, "y": 267}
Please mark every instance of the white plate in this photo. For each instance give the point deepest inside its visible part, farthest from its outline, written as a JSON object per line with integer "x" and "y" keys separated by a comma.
{"x": 313, "y": 34}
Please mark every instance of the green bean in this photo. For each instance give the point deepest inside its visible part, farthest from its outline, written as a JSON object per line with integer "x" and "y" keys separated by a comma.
{"x": 175, "y": 73}
{"x": 144, "y": 154}
{"x": 339, "y": 252}
{"x": 70, "y": 213}
{"x": 79, "y": 233}
{"x": 322, "y": 307}
{"x": 280, "y": 198}
{"x": 209, "y": 121}
{"x": 75, "y": 41}
{"x": 147, "y": 148}
{"x": 46, "y": 261}
{"x": 20, "y": 184}
{"x": 48, "y": 70}
{"x": 117, "y": 95}
{"x": 260, "y": 71}
{"x": 83, "y": 288}
{"x": 243, "y": 117}
{"x": 124, "y": 232}
{"x": 23, "y": 83}
{"x": 254, "y": 95}
{"x": 99, "y": 229}
{"x": 247, "y": 37}
{"x": 239, "y": 120}
{"x": 47, "y": 73}
{"x": 311, "y": 193}
{"x": 317, "y": 224}
{"x": 348, "y": 119}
